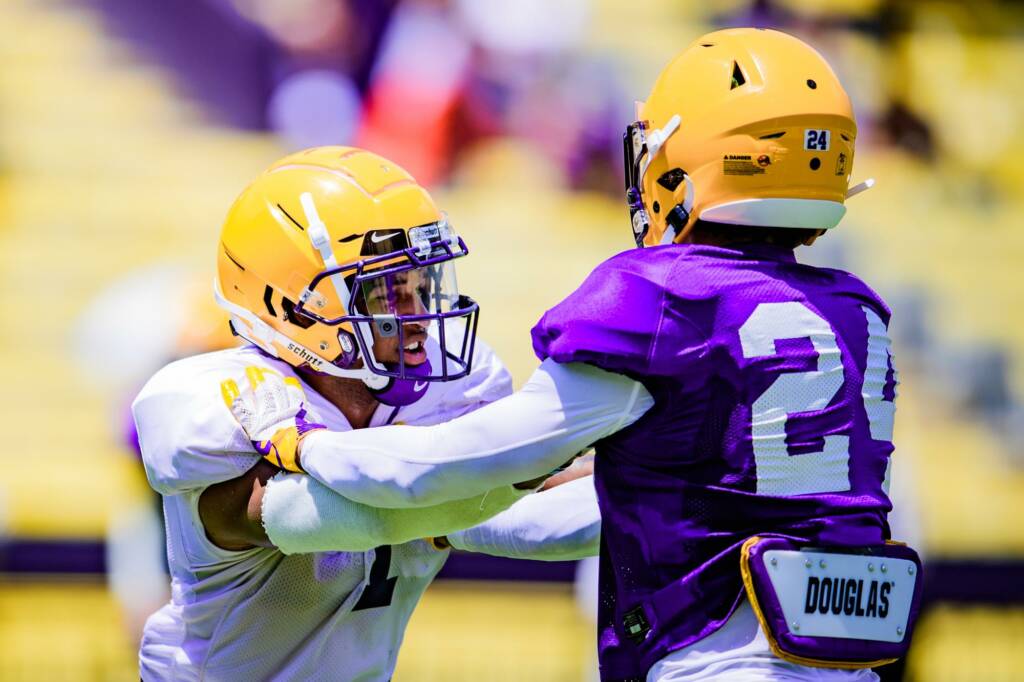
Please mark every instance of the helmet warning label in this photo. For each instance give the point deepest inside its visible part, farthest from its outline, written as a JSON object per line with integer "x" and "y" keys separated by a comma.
{"x": 744, "y": 164}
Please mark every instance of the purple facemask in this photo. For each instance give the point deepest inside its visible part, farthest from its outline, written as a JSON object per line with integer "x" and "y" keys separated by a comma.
{"x": 401, "y": 392}
{"x": 390, "y": 258}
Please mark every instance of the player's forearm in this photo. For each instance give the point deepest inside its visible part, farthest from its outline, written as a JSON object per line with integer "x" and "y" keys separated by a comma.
{"x": 560, "y": 524}
{"x": 562, "y": 410}
{"x": 300, "y": 516}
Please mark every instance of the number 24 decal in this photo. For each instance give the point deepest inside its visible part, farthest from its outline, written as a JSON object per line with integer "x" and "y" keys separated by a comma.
{"x": 828, "y": 470}
{"x": 817, "y": 140}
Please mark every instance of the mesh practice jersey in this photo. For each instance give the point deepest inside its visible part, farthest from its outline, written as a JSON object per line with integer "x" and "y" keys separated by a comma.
{"x": 259, "y": 614}
{"x": 774, "y": 395}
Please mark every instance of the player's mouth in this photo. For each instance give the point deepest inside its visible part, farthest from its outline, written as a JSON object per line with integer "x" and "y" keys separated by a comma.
{"x": 414, "y": 352}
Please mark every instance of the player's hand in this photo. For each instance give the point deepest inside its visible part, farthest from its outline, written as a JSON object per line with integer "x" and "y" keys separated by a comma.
{"x": 580, "y": 467}
{"x": 272, "y": 411}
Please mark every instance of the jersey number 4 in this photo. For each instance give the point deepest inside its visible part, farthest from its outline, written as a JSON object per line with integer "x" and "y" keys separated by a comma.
{"x": 778, "y": 472}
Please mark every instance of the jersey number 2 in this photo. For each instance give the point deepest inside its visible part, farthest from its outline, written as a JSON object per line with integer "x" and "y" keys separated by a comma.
{"x": 828, "y": 470}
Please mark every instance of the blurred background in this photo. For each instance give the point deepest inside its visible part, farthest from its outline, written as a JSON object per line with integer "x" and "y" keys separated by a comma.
{"x": 127, "y": 127}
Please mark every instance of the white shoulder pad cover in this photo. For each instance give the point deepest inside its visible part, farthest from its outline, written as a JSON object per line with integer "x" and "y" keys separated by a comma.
{"x": 189, "y": 438}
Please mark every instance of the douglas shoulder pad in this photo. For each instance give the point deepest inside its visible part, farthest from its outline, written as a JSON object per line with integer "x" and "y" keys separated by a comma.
{"x": 833, "y": 607}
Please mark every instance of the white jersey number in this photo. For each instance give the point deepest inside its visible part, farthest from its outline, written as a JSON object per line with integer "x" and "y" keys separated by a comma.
{"x": 828, "y": 470}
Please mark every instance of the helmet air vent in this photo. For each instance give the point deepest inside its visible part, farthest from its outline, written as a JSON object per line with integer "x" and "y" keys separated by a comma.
{"x": 772, "y": 136}
{"x": 737, "y": 77}
{"x": 707, "y": 44}
{"x": 296, "y": 319}
{"x": 267, "y": 293}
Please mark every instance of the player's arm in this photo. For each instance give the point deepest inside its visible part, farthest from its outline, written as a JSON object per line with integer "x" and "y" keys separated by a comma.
{"x": 570, "y": 402}
{"x": 299, "y": 514}
{"x": 266, "y": 507}
{"x": 559, "y": 524}
{"x": 231, "y": 511}
{"x": 563, "y": 409}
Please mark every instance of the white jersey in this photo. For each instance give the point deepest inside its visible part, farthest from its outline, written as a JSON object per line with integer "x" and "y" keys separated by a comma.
{"x": 258, "y": 614}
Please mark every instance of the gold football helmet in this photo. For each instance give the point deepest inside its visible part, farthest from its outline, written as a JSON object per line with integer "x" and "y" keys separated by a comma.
{"x": 745, "y": 127}
{"x": 333, "y": 247}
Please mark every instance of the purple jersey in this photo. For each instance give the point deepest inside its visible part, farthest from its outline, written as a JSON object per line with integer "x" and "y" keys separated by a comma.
{"x": 773, "y": 387}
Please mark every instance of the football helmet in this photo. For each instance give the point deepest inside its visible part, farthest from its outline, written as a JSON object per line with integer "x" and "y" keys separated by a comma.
{"x": 334, "y": 246}
{"x": 745, "y": 127}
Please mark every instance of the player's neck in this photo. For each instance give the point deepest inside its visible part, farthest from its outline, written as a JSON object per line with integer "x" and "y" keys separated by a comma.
{"x": 350, "y": 396}
{"x": 715, "y": 240}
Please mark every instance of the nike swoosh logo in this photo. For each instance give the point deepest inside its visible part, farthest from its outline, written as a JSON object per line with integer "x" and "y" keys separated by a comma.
{"x": 378, "y": 238}
{"x": 419, "y": 386}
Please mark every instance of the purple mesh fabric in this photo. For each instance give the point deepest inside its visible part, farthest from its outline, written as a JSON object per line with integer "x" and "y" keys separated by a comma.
{"x": 678, "y": 489}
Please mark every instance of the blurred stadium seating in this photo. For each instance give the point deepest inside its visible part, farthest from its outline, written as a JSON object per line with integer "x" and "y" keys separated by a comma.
{"x": 123, "y": 141}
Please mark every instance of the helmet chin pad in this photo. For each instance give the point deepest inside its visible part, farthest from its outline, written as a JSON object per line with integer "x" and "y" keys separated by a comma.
{"x": 401, "y": 392}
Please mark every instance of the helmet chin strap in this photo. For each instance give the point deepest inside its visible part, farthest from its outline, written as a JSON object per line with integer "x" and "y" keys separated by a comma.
{"x": 656, "y": 139}
{"x": 259, "y": 333}
{"x": 678, "y": 218}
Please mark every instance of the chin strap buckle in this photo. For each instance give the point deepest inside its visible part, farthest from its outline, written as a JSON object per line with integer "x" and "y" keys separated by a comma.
{"x": 676, "y": 221}
{"x": 679, "y": 216}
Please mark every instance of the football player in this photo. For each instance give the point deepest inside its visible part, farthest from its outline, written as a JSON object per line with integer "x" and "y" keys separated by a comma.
{"x": 337, "y": 268}
{"x": 744, "y": 531}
